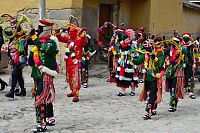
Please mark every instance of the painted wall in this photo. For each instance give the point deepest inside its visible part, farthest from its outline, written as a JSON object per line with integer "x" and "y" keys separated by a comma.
{"x": 125, "y": 12}
{"x": 91, "y": 3}
{"x": 140, "y": 13}
{"x": 13, "y": 6}
{"x": 156, "y": 15}
{"x": 90, "y": 16}
{"x": 75, "y": 3}
{"x": 191, "y": 20}
{"x": 166, "y": 15}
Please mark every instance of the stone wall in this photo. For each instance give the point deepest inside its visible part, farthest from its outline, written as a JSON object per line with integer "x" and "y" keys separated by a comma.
{"x": 90, "y": 20}
{"x": 53, "y": 14}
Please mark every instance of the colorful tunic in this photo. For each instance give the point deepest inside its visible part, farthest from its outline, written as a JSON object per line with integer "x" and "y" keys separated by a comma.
{"x": 73, "y": 59}
{"x": 44, "y": 68}
{"x": 85, "y": 62}
{"x": 124, "y": 74}
{"x": 174, "y": 75}
{"x": 189, "y": 62}
{"x": 154, "y": 65}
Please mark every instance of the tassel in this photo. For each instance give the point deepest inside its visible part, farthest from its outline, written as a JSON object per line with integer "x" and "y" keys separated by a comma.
{"x": 180, "y": 92}
{"x": 16, "y": 60}
{"x": 143, "y": 95}
{"x": 159, "y": 93}
{"x": 166, "y": 85}
{"x": 48, "y": 93}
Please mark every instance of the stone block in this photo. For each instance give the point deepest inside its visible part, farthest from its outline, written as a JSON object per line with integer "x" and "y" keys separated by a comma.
{"x": 90, "y": 20}
{"x": 77, "y": 13}
{"x": 33, "y": 16}
{"x": 35, "y": 11}
{"x": 60, "y": 14}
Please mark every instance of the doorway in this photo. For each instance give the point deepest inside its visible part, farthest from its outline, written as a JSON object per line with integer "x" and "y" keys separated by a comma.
{"x": 105, "y": 15}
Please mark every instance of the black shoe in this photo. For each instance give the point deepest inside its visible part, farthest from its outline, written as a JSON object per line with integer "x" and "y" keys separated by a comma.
{"x": 50, "y": 122}
{"x": 85, "y": 85}
{"x": 121, "y": 94}
{"x": 10, "y": 94}
{"x": 132, "y": 93}
{"x": 16, "y": 91}
{"x": 154, "y": 112}
{"x": 172, "y": 109}
{"x": 147, "y": 116}
{"x": 192, "y": 96}
{"x": 21, "y": 93}
{"x": 3, "y": 85}
{"x": 39, "y": 128}
{"x": 141, "y": 81}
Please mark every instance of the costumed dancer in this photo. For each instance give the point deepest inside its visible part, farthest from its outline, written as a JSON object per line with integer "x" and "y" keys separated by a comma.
{"x": 125, "y": 68}
{"x": 136, "y": 68}
{"x": 85, "y": 63}
{"x": 175, "y": 34}
{"x": 86, "y": 56}
{"x": 3, "y": 83}
{"x": 140, "y": 38}
{"x": 113, "y": 40}
{"x": 18, "y": 49}
{"x": 45, "y": 68}
{"x": 174, "y": 72}
{"x": 189, "y": 63}
{"x": 73, "y": 58}
{"x": 153, "y": 60}
{"x": 197, "y": 59}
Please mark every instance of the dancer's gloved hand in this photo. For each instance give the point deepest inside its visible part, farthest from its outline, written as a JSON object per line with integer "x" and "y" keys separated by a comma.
{"x": 153, "y": 56}
{"x": 32, "y": 32}
{"x": 184, "y": 65}
{"x": 194, "y": 66}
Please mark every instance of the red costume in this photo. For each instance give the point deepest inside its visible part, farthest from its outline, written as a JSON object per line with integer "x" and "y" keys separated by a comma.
{"x": 73, "y": 57}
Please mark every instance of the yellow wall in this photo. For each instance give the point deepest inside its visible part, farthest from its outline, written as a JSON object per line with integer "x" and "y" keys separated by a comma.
{"x": 91, "y": 3}
{"x": 140, "y": 13}
{"x": 191, "y": 20}
{"x": 13, "y": 6}
{"x": 156, "y": 15}
{"x": 166, "y": 15}
{"x": 56, "y": 4}
{"x": 125, "y": 12}
{"x": 75, "y": 3}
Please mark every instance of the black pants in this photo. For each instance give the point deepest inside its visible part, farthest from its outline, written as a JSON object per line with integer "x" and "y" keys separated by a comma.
{"x": 173, "y": 91}
{"x": 85, "y": 72}
{"x": 1, "y": 81}
{"x": 17, "y": 77}
{"x": 189, "y": 81}
{"x": 172, "y": 84}
{"x": 112, "y": 73}
{"x": 151, "y": 87}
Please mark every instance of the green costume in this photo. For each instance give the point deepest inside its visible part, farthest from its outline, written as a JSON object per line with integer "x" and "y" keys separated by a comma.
{"x": 153, "y": 79}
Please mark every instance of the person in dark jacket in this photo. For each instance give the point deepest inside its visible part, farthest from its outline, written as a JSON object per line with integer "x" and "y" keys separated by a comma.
{"x": 3, "y": 83}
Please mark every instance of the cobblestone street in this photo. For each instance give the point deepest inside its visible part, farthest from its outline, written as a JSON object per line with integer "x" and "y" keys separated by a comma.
{"x": 100, "y": 110}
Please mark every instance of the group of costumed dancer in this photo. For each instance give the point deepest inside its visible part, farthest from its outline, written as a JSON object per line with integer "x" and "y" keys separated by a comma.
{"x": 132, "y": 56}
{"x": 135, "y": 53}
{"x": 42, "y": 59}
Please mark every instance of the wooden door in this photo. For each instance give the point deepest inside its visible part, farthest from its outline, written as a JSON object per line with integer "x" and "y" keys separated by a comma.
{"x": 104, "y": 16}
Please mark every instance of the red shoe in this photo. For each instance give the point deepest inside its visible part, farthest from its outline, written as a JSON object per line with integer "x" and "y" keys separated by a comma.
{"x": 75, "y": 99}
{"x": 70, "y": 95}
